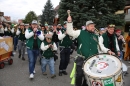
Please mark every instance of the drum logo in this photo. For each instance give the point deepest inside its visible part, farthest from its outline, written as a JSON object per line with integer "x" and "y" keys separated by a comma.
{"x": 95, "y": 83}
{"x": 102, "y": 65}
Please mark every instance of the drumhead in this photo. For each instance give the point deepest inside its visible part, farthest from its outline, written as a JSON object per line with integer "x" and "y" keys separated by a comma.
{"x": 102, "y": 65}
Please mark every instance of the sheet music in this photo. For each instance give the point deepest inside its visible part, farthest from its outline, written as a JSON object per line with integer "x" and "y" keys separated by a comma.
{"x": 4, "y": 45}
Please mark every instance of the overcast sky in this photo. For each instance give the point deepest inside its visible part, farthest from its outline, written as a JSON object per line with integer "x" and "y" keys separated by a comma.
{"x": 17, "y": 9}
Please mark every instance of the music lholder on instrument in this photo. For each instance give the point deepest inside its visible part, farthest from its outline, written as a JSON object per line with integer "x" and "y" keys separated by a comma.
{"x": 103, "y": 70}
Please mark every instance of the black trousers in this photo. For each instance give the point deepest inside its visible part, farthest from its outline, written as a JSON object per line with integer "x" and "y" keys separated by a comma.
{"x": 64, "y": 58}
{"x": 80, "y": 78}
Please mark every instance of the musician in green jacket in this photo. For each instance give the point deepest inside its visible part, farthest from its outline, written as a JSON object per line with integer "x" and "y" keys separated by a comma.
{"x": 88, "y": 45}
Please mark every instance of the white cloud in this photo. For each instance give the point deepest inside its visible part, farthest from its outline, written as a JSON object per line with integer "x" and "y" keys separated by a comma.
{"x": 18, "y": 9}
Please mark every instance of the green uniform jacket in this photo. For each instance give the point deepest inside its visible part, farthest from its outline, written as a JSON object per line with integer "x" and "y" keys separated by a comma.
{"x": 30, "y": 41}
{"x": 106, "y": 41}
{"x": 49, "y": 52}
{"x": 87, "y": 46}
{"x": 66, "y": 41}
{"x": 21, "y": 36}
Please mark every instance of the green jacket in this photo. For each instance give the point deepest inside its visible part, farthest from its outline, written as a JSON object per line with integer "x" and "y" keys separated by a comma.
{"x": 66, "y": 41}
{"x": 8, "y": 33}
{"x": 87, "y": 46}
{"x": 49, "y": 52}
{"x": 106, "y": 41}
{"x": 30, "y": 41}
{"x": 21, "y": 36}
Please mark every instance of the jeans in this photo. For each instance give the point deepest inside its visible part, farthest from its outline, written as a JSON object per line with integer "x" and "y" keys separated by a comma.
{"x": 15, "y": 43}
{"x": 64, "y": 58}
{"x": 121, "y": 55}
{"x": 32, "y": 57}
{"x": 50, "y": 62}
{"x": 21, "y": 47}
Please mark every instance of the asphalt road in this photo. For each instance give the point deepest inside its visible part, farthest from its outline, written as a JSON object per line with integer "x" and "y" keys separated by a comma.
{"x": 17, "y": 74}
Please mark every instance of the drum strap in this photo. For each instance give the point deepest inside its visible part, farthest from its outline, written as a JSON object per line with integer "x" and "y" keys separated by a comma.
{"x": 81, "y": 56}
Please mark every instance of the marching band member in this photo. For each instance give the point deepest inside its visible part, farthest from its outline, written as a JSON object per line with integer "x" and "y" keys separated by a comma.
{"x": 88, "y": 45}
{"x": 48, "y": 47}
{"x": 34, "y": 38}
{"x": 65, "y": 45}
{"x": 8, "y": 31}
{"x": 121, "y": 41}
{"x": 21, "y": 41}
{"x": 110, "y": 40}
{"x": 55, "y": 36}
{"x": 15, "y": 38}
{"x": 47, "y": 30}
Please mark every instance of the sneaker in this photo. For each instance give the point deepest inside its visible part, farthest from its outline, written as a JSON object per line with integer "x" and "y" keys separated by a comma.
{"x": 44, "y": 73}
{"x": 14, "y": 53}
{"x": 19, "y": 55}
{"x": 34, "y": 71}
{"x": 60, "y": 73}
{"x": 64, "y": 72}
{"x": 26, "y": 53}
{"x": 53, "y": 76}
{"x": 31, "y": 76}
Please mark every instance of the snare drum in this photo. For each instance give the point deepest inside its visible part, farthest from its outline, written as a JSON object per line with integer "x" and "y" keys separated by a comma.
{"x": 103, "y": 70}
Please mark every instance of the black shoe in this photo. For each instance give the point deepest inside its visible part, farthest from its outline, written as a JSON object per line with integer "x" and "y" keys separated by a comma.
{"x": 53, "y": 76}
{"x": 19, "y": 55}
{"x": 60, "y": 73}
{"x": 23, "y": 58}
{"x": 64, "y": 72}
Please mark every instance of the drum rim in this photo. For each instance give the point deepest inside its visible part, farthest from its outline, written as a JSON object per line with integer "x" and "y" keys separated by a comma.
{"x": 101, "y": 78}
{"x": 106, "y": 76}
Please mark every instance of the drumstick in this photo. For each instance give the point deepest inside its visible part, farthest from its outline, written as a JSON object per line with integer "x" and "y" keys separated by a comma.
{"x": 68, "y": 11}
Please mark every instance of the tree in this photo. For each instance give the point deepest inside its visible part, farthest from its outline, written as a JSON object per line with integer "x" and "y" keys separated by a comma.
{"x": 48, "y": 14}
{"x": 102, "y": 12}
{"x": 30, "y": 17}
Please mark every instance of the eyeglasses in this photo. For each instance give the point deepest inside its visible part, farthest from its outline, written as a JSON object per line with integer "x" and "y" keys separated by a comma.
{"x": 111, "y": 25}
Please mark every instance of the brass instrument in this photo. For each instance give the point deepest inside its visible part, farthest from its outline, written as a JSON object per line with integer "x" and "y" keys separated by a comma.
{"x": 23, "y": 31}
{"x": 15, "y": 28}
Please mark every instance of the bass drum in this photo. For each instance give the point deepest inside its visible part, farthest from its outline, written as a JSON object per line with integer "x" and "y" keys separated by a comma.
{"x": 103, "y": 70}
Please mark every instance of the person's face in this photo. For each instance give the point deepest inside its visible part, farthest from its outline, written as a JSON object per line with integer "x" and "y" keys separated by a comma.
{"x": 103, "y": 31}
{"x": 46, "y": 27}
{"x": 34, "y": 25}
{"x": 59, "y": 26}
{"x": 65, "y": 26}
{"x": 118, "y": 33}
{"x": 110, "y": 30}
{"x": 21, "y": 26}
{"x": 43, "y": 28}
{"x": 54, "y": 27}
{"x": 8, "y": 25}
{"x": 27, "y": 26}
{"x": 48, "y": 40}
{"x": 91, "y": 27}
